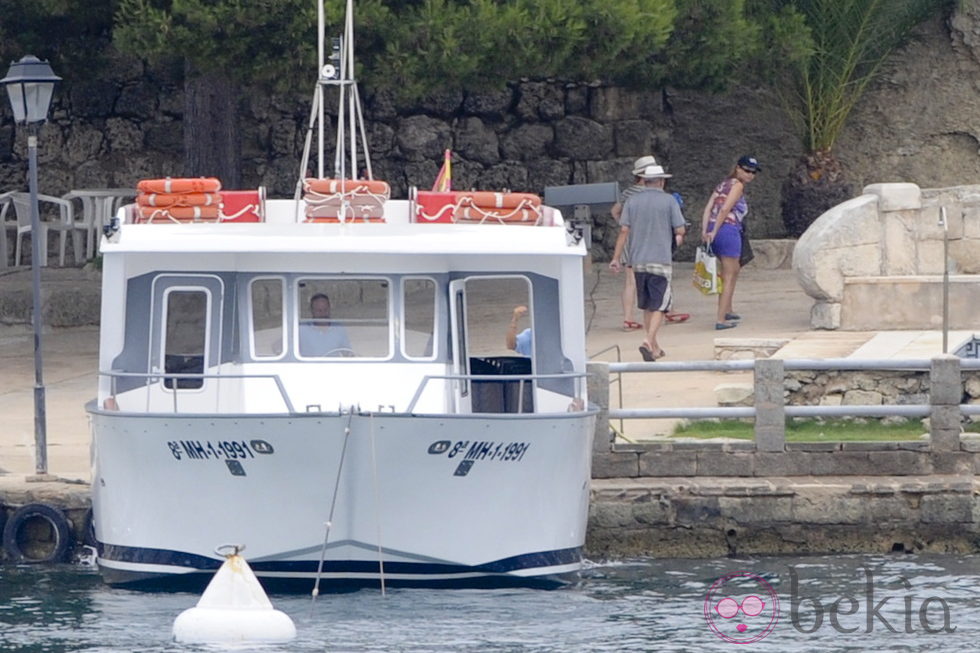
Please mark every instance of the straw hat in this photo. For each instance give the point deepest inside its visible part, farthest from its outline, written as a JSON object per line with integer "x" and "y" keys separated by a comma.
{"x": 640, "y": 164}
{"x": 653, "y": 172}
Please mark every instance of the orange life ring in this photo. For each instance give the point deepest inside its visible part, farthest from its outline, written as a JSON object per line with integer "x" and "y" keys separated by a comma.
{"x": 347, "y": 186}
{"x": 525, "y": 216}
{"x": 492, "y": 200}
{"x": 178, "y": 199}
{"x": 316, "y": 199}
{"x": 179, "y": 185}
{"x": 363, "y": 213}
{"x": 336, "y": 220}
{"x": 179, "y": 214}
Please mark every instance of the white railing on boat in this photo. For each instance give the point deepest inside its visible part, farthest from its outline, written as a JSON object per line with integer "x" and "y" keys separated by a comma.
{"x": 157, "y": 379}
{"x": 521, "y": 379}
{"x": 153, "y": 377}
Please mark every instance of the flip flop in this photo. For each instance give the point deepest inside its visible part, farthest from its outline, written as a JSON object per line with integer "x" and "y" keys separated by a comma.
{"x": 732, "y": 316}
{"x": 647, "y": 353}
{"x": 677, "y": 317}
{"x": 629, "y": 325}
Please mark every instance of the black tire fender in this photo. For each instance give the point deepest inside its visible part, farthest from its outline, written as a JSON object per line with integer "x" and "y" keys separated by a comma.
{"x": 25, "y": 539}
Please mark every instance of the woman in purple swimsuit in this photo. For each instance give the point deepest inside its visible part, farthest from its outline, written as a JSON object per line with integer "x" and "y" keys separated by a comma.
{"x": 721, "y": 227}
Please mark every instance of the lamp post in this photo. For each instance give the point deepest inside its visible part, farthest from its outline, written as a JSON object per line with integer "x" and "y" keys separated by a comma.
{"x": 30, "y": 83}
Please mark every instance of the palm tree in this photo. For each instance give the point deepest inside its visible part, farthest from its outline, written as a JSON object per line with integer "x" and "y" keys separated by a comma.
{"x": 848, "y": 44}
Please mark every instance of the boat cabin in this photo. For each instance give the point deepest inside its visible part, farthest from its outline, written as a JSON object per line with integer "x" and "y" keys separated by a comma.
{"x": 321, "y": 306}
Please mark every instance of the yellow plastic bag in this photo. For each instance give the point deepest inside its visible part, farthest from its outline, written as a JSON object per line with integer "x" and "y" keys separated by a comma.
{"x": 707, "y": 276}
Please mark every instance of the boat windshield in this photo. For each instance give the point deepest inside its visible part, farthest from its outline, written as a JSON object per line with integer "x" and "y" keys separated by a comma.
{"x": 343, "y": 318}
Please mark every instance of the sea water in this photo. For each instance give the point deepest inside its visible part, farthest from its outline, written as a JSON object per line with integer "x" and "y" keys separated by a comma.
{"x": 901, "y": 602}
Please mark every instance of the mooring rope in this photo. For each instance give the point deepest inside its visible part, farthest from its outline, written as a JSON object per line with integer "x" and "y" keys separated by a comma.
{"x": 333, "y": 504}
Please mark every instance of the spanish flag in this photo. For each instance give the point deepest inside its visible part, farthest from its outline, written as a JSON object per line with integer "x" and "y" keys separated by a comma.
{"x": 444, "y": 180}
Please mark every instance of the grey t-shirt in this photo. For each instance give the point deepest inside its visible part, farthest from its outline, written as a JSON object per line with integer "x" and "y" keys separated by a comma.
{"x": 651, "y": 215}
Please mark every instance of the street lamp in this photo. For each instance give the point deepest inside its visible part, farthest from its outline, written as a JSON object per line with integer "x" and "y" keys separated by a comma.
{"x": 30, "y": 83}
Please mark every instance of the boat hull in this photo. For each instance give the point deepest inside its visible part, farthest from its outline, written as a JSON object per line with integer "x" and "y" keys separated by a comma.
{"x": 344, "y": 498}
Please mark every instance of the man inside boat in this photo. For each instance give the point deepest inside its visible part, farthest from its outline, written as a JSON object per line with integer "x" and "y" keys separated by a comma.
{"x": 518, "y": 341}
{"x": 320, "y": 336}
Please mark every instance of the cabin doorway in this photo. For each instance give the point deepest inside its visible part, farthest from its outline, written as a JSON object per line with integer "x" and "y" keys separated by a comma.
{"x": 493, "y": 327}
{"x": 186, "y": 328}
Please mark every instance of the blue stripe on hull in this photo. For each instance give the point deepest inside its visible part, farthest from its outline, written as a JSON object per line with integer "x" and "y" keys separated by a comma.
{"x": 422, "y": 572}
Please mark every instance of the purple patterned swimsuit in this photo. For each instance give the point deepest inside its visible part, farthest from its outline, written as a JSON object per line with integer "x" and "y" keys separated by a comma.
{"x": 728, "y": 240}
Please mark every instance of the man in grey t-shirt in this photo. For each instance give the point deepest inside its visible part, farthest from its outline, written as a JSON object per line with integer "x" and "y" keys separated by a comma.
{"x": 321, "y": 337}
{"x": 651, "y": 220}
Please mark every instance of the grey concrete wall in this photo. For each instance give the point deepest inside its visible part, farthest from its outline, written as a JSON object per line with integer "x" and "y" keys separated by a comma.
{"x": 712, "y": 517}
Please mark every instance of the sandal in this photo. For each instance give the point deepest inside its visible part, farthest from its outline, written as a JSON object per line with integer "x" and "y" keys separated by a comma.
{"x": 629, "y": 325}
{"x": 677, "y": 317}
{"x": 647, "y": 353}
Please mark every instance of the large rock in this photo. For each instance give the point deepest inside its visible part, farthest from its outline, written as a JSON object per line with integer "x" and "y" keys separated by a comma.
{"x": 422, "y": 137}
{"x": 583, "y": 139}
{"x": 476, "y": 142}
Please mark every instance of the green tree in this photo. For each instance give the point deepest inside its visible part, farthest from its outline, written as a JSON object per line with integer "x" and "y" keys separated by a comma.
{"x": 417, "y": 47}
{"x": 475, "y": 44}
{"x": 222, "y": 45}
{"x": 823, "y": 76}
{"x": 70, "y": 34}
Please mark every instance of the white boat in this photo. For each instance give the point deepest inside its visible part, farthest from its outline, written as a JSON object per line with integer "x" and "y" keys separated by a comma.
{"x": 420, "y": 450}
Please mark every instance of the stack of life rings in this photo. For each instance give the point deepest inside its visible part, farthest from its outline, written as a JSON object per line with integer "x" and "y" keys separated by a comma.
{"x": 501, "y": 208}
{"x": 477, "y": 207}
{"x": 178, "y": 200}
{"x": 345, "y": 200}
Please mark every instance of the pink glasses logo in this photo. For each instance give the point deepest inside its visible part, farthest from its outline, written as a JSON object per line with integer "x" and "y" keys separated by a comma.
{"x": 741, "y": 608}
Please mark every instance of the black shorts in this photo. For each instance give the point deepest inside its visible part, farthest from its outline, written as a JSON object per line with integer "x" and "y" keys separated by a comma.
{"x": 652, "y": 291}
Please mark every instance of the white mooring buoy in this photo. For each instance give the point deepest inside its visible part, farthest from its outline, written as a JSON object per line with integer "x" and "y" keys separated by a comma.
{"x": 233, "y": 609}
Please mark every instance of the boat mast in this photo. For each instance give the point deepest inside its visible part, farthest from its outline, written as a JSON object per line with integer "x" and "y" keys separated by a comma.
{"x": 337, "y": 71}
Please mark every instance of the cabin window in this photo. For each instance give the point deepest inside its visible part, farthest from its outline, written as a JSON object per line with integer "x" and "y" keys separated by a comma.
{"x": 419, "y": 302}
{"x": 267, "y": 297}
{"x": 343, "y": 318}
{"x": 490, "y": 309}
{"x": 185, "y": 347}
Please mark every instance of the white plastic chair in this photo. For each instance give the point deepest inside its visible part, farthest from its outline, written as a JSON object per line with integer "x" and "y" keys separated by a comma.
{"x": 65, "y": 224}
{"x": 98, "y": 205}
{"x": 5, "y": 224}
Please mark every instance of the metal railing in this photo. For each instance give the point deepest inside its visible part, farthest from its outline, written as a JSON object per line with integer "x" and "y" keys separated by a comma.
{"x": 769, "y": 384}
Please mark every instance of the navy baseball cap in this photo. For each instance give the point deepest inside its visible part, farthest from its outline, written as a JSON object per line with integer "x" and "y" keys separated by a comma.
{"x": 749, "y": 163}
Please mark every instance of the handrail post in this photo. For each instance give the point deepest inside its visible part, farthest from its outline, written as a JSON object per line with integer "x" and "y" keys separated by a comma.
{"x": 770, "y": 406}
{"x": 598, "y": 390}
{"x": 945, "y": 396}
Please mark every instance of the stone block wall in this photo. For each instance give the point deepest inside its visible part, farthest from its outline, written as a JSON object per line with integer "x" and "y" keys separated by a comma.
{"x": 695, "y": 518}
{"x": 126, "y": 124}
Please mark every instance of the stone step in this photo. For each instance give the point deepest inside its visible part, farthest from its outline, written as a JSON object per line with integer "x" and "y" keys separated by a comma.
{"x": 909, "y": 302}
{"x": 823, "y": 344}
{"x": 747, "y": 348}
